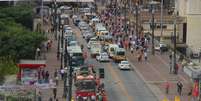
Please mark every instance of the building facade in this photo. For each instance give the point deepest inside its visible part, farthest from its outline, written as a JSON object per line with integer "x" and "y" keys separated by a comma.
{"x": 191, "y": 9}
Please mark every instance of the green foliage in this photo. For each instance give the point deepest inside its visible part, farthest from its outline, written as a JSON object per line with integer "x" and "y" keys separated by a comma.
{"x": 16, "y": 39}
{"x": 22, "y": 14}
{"x": 7, "y": 66}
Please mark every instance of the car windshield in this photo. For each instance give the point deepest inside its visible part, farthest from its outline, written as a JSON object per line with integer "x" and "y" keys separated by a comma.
{"x": 86, "y": 85}
{"x": 104, "y": 54}
{"x": 73, "y": 43}
{"x": 121, "y": 53}
{"x": 124, "y": 62}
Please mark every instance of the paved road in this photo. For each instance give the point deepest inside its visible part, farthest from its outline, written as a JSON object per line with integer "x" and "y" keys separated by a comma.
{"x": 120, "y": 85}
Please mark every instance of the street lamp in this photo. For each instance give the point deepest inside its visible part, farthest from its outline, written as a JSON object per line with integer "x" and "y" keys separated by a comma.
{"x": 152, "y": 24}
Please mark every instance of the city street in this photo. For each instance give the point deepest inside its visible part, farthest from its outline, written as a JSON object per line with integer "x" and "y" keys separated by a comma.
{"x": 120, "y": 85}
{"x": 100, "y": 50}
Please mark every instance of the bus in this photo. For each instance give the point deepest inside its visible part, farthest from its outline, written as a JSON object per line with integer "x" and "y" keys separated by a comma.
{"x": 76, "y": 55}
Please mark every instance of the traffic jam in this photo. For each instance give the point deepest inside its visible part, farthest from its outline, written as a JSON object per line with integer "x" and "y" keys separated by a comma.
{"x": 87, "y": 79}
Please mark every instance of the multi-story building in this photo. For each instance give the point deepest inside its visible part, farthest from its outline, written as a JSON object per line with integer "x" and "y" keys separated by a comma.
{"x": 191, "y": 9}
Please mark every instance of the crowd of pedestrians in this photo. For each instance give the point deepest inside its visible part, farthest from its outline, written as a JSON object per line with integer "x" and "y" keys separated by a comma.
{"x": 125, "y": 36}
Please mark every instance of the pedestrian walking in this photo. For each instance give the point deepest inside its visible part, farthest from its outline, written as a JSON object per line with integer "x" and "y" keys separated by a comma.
{"x": 39, "y": 96}
{"x": 38, "y": 52}
{"x": 55, "y": 73}
{"x": 62, "y": 73}
{"x": 176, "y": 68}
{"x": 131, "y": 50}
{"x": 43, "y": 74}
{"x": 55, "y": 92}
{"x": 51, "y": 99}
{"x": 57, "y": 80}
{"x": 145, "y": 56}
{"x": 167, "y": 87}
{"x": 170, "y": 67}
{"x": 47, "y": 76}
{"x": 179, "y": 87}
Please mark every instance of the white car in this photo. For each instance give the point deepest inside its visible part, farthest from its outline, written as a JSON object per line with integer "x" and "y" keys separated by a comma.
{"x": 102, "y": 57}
{"x": 124, "y": 65}
{"x": 91, "y": 41}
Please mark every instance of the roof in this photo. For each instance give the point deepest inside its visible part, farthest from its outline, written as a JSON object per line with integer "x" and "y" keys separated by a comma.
{"x": 74, "y": 49}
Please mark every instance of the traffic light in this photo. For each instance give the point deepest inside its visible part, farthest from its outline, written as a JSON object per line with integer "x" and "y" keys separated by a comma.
{"x": 101, "y": 73}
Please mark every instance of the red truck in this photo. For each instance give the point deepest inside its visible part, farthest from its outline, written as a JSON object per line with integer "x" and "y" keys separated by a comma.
{"x": 88, "y": 86}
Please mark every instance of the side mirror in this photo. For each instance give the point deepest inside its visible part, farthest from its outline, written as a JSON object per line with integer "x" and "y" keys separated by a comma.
{"x": 101, "y": 72}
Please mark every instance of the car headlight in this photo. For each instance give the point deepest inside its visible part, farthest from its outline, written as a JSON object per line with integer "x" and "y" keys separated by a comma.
{"x": 84, "y": 98}
{"x": 93, "y": 97}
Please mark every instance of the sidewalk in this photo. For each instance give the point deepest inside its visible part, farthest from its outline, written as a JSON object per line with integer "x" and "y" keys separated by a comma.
{"x": 155, "y": 73}
{"x": 52, "y": 64}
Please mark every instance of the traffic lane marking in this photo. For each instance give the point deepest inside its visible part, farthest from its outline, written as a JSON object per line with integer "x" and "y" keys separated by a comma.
{"x": 120, "y": 84}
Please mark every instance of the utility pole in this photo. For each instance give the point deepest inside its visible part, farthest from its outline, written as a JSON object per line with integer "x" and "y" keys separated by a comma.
{"x": 136, "y": 18}
{"x": 152, "y": 27}
{"x": 125, "y": 14}
{"x": 161, "y": 38}
{"x": 175, "y": 42}
{"x": 70, "y": 78}
{"x": 42, "y": 17}
{"x": 115, "y": 12}
{"x": 62, "y": 45}
{"x": 65, "y": 65}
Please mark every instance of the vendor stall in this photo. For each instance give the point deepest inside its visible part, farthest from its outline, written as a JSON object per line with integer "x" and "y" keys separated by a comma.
{"x": 28, "y": 70}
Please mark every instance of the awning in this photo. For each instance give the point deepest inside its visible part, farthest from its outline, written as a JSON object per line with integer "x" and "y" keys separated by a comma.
{"x": 69, "y": 0}
{"x": 32, "y": 64}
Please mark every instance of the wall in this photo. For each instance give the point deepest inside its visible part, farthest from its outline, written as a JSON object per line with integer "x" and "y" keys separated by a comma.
{"x": 194, "y": 24}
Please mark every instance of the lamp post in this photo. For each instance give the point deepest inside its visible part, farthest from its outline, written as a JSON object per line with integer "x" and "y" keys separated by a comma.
{"x": 152, "y": 24}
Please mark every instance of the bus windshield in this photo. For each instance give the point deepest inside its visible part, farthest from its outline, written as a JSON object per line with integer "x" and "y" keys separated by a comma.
{"x": 78, "y": 61}
{"x": 86, "y": 85}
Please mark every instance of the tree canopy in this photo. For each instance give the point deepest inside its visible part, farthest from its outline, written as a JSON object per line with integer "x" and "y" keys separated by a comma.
{"x": 17, "y": 41}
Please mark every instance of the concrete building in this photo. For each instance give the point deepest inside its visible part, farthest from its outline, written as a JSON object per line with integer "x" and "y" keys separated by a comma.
{"x": 191, "y": 9}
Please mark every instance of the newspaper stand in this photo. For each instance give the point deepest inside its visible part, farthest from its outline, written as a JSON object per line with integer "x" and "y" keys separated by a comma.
{"x": 28, "y": 70}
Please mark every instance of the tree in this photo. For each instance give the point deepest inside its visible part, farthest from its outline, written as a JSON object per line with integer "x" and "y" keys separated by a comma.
{"x": 17, "y": 41}
{"x": 22, "y": 14}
